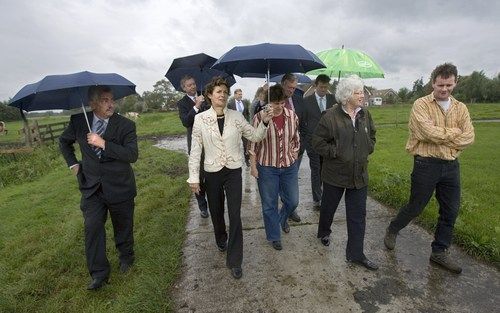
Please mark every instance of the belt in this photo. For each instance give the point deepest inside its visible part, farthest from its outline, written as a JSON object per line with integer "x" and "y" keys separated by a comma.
{"x": 434, "y": 160}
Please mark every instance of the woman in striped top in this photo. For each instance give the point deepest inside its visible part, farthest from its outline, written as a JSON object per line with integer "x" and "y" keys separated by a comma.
{"x": 273, "y": 163}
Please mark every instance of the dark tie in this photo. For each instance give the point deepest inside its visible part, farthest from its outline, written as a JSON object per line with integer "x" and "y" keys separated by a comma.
{"x": 100, "y": 127}
{"x": 288, "y": 104}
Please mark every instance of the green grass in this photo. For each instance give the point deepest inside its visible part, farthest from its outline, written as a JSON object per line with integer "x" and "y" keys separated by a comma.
{"x": 477, "y": 228}
{"x": 159, "y": 124}
{"x": 398, "y": 114}
{"x": 42, "y": 263}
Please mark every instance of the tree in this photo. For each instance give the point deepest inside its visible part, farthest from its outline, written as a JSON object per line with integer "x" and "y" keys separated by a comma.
{"x": 163, "y": 96}
{"x": 493, "y": 89}
{"x": 8, "y": 113}
{"x": 473, "y": 88}
{"x": 128, "y": 104}
{"x": 404, "y": 95}
{"x": 418, "y": 89}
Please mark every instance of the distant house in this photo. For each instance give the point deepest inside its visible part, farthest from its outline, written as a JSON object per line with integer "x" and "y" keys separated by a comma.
{"x": 378, "y": 97}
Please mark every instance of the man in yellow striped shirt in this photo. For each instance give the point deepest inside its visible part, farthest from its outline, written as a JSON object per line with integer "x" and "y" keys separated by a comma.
{"x": 440, "y": 129}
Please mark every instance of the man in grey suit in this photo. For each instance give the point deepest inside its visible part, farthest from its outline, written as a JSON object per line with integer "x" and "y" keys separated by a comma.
{"x": 314, "y": 106}
{"x": 105, "y": 179}
{"x": 238, "y": 105}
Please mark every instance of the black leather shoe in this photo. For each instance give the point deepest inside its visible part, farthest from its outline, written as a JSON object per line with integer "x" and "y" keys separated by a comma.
{"x": 97, "y": 283}
{"x": 125, "y": 267}
{"x": 325, "y": 241}
{"x": 366, "y": 263}
{"x": 236, "y": 272}
{"x": 204, "y": 213}
{"x": 277, "y": 245}
{"x": 222, "y": 246}
{"x": 294, "y": 217}
{"x": 285, "y": 227}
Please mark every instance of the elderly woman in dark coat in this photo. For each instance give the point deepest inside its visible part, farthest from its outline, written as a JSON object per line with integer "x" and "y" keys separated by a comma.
{"x": 344, "y": 138}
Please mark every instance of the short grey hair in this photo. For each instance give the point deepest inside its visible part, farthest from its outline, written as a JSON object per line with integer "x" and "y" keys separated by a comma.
{"x": 96, "y": 91}
{"x": 346, "y": 87}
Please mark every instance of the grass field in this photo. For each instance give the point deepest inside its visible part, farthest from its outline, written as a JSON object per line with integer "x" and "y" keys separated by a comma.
{"x": 478, "y": 225}
{"x": 42, "y": 264}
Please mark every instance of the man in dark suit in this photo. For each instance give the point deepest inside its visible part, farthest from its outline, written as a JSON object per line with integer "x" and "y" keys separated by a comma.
{"x": 314, "y": 106}
{"x": 105, "y": 178}
{"x": 189, "y": 106}
{"x": 238, "y": 105}
{"x": 296, "y": 103}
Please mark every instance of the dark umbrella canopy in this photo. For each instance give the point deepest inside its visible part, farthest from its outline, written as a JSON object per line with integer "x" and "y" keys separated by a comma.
{"x": 275, "y": 59}
{"x": 68, "y": 91}
{"x": 198, "y": 67}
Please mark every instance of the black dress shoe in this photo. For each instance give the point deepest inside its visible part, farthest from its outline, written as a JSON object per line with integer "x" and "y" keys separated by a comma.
{"x": 222, "y": 246}
{"x": 366, "y": 263}
{"x": 285, "y": 227}
{"x": 236, "y": 272}
{"x": 325, "y": 241}
{"x": 204, "y": 213}
{"x": 294, "y": 217}
{"x": 97, "y": 283}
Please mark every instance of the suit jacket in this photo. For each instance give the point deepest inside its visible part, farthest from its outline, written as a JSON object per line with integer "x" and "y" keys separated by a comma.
{"x": 232, "y": 105}
{"x": 187, "y": 113}
{"x": 112, "y": 171}
{"x": 311, "y": 115}
{"x": 298, "y": 105}
{"x": 220, "y": 150}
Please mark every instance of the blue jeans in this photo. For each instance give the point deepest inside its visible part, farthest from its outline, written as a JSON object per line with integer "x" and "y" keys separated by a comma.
{"x": 431, "y": 174}
{"x": 274, "y": 182}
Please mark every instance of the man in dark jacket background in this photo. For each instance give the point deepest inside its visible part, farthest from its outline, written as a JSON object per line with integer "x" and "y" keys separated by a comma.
{"x": 190, "y": 105}
{"x": 314, "y": 106}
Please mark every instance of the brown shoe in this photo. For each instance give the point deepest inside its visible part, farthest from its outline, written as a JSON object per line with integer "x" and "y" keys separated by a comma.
{"x": 443, "y": 259}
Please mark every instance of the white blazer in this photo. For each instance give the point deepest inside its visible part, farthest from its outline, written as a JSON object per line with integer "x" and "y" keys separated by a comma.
{"x": 220, "y": 150}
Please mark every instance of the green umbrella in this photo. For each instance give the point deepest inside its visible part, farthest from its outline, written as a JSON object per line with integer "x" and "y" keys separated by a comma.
{"x": 345, "y": 62}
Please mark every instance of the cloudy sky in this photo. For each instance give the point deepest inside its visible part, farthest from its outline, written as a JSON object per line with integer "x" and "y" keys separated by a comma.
{"x": 139, "y": 38}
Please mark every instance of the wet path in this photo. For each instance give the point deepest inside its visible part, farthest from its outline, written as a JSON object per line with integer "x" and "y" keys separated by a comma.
{"x": 308, "y": 277}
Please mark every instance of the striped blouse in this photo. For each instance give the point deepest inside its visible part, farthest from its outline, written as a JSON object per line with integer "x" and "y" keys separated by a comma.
{"x": 280, "y": 147}
{"x": 436, "y": 133}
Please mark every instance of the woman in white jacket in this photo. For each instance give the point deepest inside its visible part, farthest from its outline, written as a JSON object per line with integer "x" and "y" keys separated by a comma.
{"x": 217, "y": 133}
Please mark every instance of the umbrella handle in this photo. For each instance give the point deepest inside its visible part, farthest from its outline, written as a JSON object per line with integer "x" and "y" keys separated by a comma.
{"x": 86, "y": 117}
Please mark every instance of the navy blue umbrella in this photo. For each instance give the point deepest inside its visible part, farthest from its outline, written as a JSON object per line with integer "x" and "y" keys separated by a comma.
{"x": 301, "y": 78}
{"x": 68, "y": 91}
{"x": 267, "y": 59}
{"x": 198, "y": 67}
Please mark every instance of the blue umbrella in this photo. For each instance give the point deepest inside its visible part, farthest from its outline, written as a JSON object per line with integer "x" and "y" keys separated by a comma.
{"x": 68, "y": 91}
{"x": 198, "y": 67}
{"x": 267, "y": 59}
{"x": 301, "y": 78}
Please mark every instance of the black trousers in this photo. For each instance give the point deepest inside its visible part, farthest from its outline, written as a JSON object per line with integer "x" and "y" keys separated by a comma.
{"x": 95, "y": 212}
{"x": 226, "y": 183}
{"x": 431, "y": 174}
{"x": 355, "y": 206}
